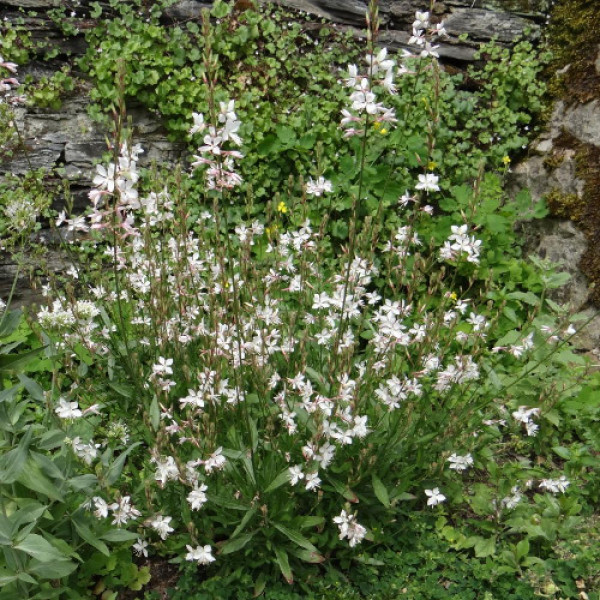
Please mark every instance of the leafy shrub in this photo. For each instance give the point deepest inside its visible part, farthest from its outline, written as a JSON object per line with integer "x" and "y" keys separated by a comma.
{"x": 292, "y": 393}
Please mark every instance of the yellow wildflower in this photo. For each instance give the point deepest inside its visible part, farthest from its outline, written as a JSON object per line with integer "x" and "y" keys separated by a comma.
{"x": 282, "y": 207}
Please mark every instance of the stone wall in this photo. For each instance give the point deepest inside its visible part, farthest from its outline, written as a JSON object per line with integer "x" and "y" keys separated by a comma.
{"x": 70, "y": 139}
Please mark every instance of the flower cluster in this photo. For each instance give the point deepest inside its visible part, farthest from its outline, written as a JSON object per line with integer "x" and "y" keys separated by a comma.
{"x": 220, "y": 174}
{"x": 350, "y": 528}
{"x": 459, "y": 243}
{"x": 364, "y": 104}
{"x": 424, "y": 34}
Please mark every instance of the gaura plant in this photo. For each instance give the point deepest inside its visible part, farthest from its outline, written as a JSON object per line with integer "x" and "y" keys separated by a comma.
{"x": 290, "y": 398}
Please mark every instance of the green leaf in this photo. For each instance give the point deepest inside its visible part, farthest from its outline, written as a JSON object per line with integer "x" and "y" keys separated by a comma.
{"x": 522, "y": 549}
{"x": 28, "y": 514}
{"x": 33, "y": 478}
{"x": 245, "y": 520}
{"x": 40, "y": 548}
{"x": 115, "y": 469}
{"x": 119, "y": 535}
{"x": 15, "y": 362}
{"x": 284, "y": 564}
{"x": 10, "y": 321}
{"x": 380, "y": 491}
{"x": 224, "y": 502}
{"x": 34, "y": 389}
{"x": 88, "y": 536}
{"x": 55, "y": 569}
{"x": 9, "y": 393}
{"x": 238, "y": 543}
{"x": 304, "y": 522}
{"x": 12, "y": 463}
{"x": 296, "y": 537}
{"x": 281, "y": 479}
{"x": 485, "y": 547}
{"x": 308, "y": 556}
{"x": 527, "y": 297}
{"x": 154, "y": 414}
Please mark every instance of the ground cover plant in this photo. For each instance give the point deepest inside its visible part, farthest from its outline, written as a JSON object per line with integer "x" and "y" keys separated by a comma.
{"x": 266, "y": 397}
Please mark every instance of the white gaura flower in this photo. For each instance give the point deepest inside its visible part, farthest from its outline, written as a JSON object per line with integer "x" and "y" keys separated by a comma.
{"x": 350, "y": 528}
{"x": 296, "y": 474}
{"x": 201, "y": 554}
{"x": 199, "y": 124}
{"x": 67, "y": 410}
{"x": 428, "y": 183}
{"x": 318, "y": 187}
{"x": 105, "y": 177}
{"x": 101, "y": 507}
{"x": 435, "y": 497}
{"x": 162, "y": 525}
{"x": 555, "y": 486}
{"x": 313, "y": 481}
{"x": 141, "y": 547}
{"x": 197, "y": 497}
{"x": 166, "y": 470}
{"x": 460, "y": 463}
{"x": 215, "y": 461}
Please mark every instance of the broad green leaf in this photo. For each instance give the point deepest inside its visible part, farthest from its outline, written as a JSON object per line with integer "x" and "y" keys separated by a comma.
{"x": 485, "y": 547}
{"x": 115, "y": 469}
{"x": 9, "y": 393}
{"x": 55, "y": 569}
{"x": 39, "y": 548}
{"x": 83, "y": 482}
{"x": 296, "y": 537}
{"x": 522, "y": 549}
{"x": 91, "y": 538}
{"x": 527, "y": 297}
{"x": 16, "y": 362}
{"x": 238, "y": 543}
{"x": 343, "y": 490}
{"x": 10, "y": 321}
{"x": 380, "y": 491}
{"x": 119, "y": 535}
{"x": 28, "y": 514}
{"x": 281, "y": 479}
{"x": 259, "y": 585}
{"x": 51, "y": 439}
{"x": 284, "y": 564}
{"x": 35, "y": 389}
{"x": 12, "y": 463}
{"x": 253, "y": 433}
{"x": 33, "y": 478}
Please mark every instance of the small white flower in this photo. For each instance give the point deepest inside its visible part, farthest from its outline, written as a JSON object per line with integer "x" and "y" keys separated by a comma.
{"x": 313, "y": 481}
{"x": 162, "y": 525}
{"x": 428, "y": 183}
{"x": 201, "y": 554}
{"x": 141, "y": 547}
{"x": 435, "y": 497}
{"x": 197, "y": 497}
{"x": 67, "y": 410}
{"x": 460, "y": 463}
{"x": 296, "y": 474}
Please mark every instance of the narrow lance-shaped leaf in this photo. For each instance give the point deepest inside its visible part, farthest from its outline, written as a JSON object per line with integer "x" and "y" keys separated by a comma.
{"x": 284, "y": 564}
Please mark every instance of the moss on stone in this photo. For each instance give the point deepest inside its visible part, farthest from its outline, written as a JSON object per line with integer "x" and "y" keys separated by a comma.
{"x": 574, "y": 35}
{"x": 574, "y": 38}
{"x": 584, "y": 210}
